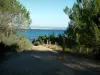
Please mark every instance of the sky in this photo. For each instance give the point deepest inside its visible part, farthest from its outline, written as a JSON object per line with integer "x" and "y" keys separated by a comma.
{"x": 48, "y": 13}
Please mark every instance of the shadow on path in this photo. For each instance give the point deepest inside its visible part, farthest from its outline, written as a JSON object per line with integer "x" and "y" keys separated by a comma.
{"x": 45, "y": 63}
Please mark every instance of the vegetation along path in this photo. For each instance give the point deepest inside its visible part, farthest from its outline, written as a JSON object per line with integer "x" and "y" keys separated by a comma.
{"x": 46, "y": 63}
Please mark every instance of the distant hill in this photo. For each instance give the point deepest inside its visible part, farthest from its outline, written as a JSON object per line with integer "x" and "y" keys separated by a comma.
{"x": 49, "y": 28}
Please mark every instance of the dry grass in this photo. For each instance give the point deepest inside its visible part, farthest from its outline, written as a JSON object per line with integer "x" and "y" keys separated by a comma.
{"x": 53, "y": 46}
{"x": 46, "y": 47}
{"x": 40, "y": 48}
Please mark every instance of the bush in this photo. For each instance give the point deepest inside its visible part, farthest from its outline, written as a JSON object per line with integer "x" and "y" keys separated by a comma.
{"x": 7, "y": 48}
{"x": 37, "y": 43}
{"x": 51, "y": 38}
{"x": 23, "y": 44}
{"x": 14, "y": 43}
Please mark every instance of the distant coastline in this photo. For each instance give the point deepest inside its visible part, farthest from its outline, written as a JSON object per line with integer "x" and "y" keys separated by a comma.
{"x": 49, "y": 28}
{"x": 44, "y": 28}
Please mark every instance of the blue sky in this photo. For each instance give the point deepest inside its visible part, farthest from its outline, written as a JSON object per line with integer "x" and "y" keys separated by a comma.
{"x": 48, "y": 13}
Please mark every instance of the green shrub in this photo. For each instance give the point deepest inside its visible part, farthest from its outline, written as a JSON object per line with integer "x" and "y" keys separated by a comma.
{"x": 23, "y": 44}
{"x": 37, "y": 43}
{"x": 15, "y": 43}
{"x": 43, "y": 39}
{"x": 12, "y": 39}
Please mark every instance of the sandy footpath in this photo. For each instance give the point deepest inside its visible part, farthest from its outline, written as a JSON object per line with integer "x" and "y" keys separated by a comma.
{"x": 42, "y": 61}
{"x": 41, "y": 48}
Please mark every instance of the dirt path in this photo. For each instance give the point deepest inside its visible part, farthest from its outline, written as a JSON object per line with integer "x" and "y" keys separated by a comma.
{"x": 41, "y": 48}
{"x": 45, "y": 63}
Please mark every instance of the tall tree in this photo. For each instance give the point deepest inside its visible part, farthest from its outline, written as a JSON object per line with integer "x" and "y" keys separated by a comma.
{"x": 85, "y": 22}
{"x": 13, "y": 15}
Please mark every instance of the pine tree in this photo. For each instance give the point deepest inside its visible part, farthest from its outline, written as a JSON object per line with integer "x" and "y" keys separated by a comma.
{"x": 86, "y": 23}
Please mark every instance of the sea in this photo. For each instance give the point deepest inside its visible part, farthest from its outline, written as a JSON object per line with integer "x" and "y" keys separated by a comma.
{"x": 31, "y": 34}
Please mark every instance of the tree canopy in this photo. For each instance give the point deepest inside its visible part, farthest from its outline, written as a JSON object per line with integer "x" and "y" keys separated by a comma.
{"x": 84, "y": 25}
{"x": 13, "y": 15}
